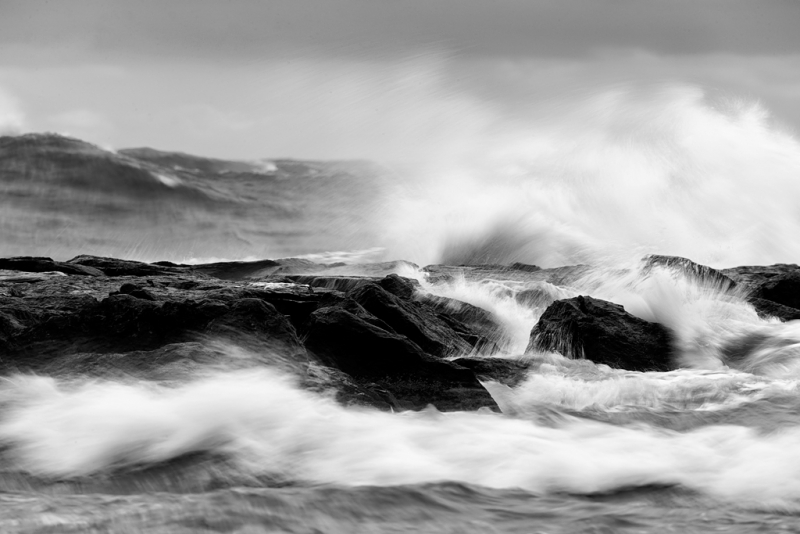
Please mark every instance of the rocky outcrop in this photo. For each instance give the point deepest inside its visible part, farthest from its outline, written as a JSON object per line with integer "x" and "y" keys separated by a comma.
{"x": 369, "y": 353}
{"x": 603, "y": 332}
{"x": 415, "y": 322}
{"x": 375, "y": 345}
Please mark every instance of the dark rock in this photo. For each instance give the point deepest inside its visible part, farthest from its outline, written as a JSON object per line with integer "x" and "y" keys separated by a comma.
{"x": 703, "y": 273}
{"x": 405, "y": 288}
{"x": 752, "y": 276}
{"x": 367, "y": 352}
{"x": 254, "y": 323}
{"x": 123, "y": 323}
{"x": 115, "y": 267}
{"x": 783, "y": 288}
{"x": 237, "y": 270}
{"x": 517, "y": 266}
{"x": 508, "y": 372}
{"x": 40, "y": 265}
{"x": 603, "y": 332}
{"x": 767, "y": 308}
{"x": 419, "y": 325}
{"x": 136, "y": 291}
{"x": 773, "y": 290}
{"x": 474, "y": 325}
{"x": 338, "y": 283}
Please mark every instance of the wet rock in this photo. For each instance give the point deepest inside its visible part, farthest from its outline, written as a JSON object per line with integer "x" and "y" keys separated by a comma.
{"x": 419, "y": 325}
{"x": 508, "y": 372}
{"x": 476, "y": 326}
{"x": 115, "y": 267}
{"x": 237, "y": 270}
{"x": 783, "y": 288}
{"x": 123, "y": 323}
{"x": 31, "y": 264}
{"x": 517, "y": 266}
{"x": 136, "y": 291}
{"x": 603, "y": 332}
{"x": 699, "y": 272}
{"x": 773, "y": 290}
{"x": 338, "y": 283}
{"x": 368, "y": 353}
{"x": 405, "y": 288}
{"x": 767, "y": 308}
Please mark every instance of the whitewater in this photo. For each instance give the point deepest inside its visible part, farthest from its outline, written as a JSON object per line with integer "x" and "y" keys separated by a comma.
{"x": 595, "y": 182}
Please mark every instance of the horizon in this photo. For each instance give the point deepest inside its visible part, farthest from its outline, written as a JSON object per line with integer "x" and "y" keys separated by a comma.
{"x": 378, "y": 81}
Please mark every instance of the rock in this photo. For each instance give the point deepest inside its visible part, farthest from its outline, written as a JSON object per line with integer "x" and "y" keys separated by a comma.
{"x": 237, "y": 270}
{"x": 419, "y": 325}
{"x": 474, "y": 325}
{"x": 115, "y": 267}
{"x": 767, "y": 308}
{"x": 165, "y": 321}
{"x": 368, "y": 353}
{"x": 528, "y": 268}
{"x": 603, "y": 332}
{"x": 123, "y": 323}
{"x": 773, "y": 290}
{"x": 508, "y": 372}
{"x": 31, "y": 264}
{"x": 405, "y": 288}
{"x": 338, "y": 283}
{"x": 783, "y": 288}
{"x": 703, "y": 273}
{"x": 136, "y": 291}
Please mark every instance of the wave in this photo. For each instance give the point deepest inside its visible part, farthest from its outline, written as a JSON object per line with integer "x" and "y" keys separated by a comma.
{"x": 266, "y": 426}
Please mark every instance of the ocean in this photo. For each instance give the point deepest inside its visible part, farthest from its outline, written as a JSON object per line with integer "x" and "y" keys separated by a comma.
{"x": 576, "y": 447}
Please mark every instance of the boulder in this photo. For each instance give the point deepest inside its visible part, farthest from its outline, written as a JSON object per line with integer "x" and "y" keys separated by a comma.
{"x": 603, "y": 332}
{"x": 773, "y": 290}
{"x": 783, "y": 288}
{"x": 371, "y": 354}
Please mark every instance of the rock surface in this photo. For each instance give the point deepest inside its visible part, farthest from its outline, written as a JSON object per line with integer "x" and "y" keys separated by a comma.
{"x": 773, "y": 290}
{"x": 603, "y": 332}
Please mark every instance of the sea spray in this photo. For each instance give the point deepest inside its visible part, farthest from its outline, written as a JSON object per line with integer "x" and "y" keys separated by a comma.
{"x": 659, "y": 169}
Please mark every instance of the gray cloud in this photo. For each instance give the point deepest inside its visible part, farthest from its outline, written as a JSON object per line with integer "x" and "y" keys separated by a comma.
{"x": 248, "y": 30}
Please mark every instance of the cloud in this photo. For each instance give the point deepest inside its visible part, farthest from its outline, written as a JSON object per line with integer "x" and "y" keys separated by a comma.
{"x": 12, "y": 118}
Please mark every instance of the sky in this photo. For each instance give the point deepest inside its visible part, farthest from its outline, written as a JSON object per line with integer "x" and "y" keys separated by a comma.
{"x": 379, "y": 79}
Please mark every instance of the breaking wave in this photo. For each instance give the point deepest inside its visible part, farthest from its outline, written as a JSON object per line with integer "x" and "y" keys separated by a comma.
{"x": 625, "y": 171}
{"x": 266, "y": 426}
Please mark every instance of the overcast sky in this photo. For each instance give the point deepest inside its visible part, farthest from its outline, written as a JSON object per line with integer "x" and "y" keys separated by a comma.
{"x": 370, "y": 78}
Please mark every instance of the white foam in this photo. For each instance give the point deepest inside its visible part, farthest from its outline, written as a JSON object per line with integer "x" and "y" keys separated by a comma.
{"x": 267, "y": 426}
